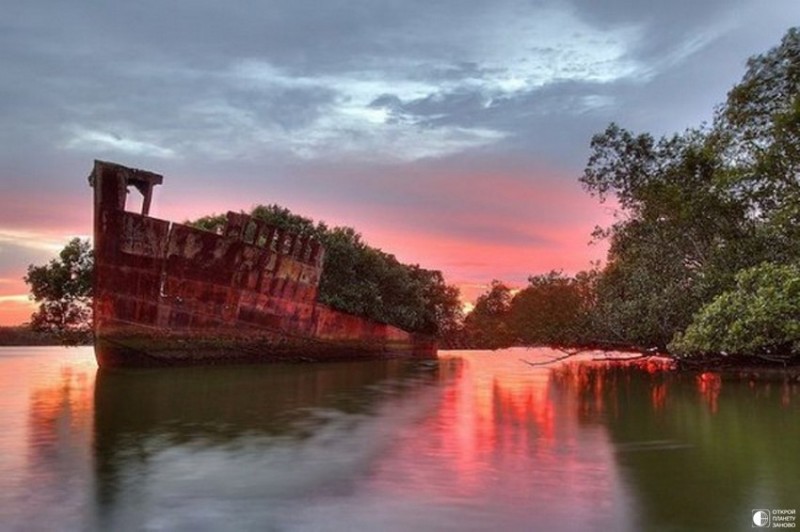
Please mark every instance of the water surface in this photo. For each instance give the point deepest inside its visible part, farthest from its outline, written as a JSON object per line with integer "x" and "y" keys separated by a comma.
{"x": 477, "y": 441}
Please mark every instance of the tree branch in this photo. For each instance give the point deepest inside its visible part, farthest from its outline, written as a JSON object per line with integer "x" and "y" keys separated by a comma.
{"x": 568, "y": 354}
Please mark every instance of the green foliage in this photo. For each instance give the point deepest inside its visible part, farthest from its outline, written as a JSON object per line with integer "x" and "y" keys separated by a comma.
{"x": 366, "y": 281}
{"x": 213, "y": 222}
{"x": 554, "y": 309}
{"x": 489, "y": 326}
{"x": 693, "y": 210}
{"x": 759, "y": 129}
{"x": 759, "y": 316}
{"x": 760, "y": 120}
{"x": 63, "y": 289}
{"x": 671, "y": 247}
{"x": 285, "y": 219}
{"x": 665, "y": 236}
{"x": 696, "y": 208}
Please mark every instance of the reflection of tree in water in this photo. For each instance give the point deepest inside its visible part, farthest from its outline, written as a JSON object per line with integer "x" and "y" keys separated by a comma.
{"x": 59, "y": 420}
{"x": 699, "y": 451}
{"x": 597, "y": 384}
{"x": 503, "y": 440}
{"x": 139, "y": 414}
{"x": 57, "y": 450}
{"x": 59, "y": 415}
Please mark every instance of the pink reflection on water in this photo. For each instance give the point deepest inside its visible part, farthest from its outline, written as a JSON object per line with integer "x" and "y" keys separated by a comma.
{"x": 503, "y": 436}
{"x": 60, "y": 410}
{"x": 46, "y": 413}
{"x": 658, "y": 396}
{"x": 709, "y": 385}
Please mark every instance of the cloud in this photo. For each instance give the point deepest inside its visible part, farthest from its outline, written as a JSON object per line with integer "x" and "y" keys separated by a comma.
{"x": 39, "y": 242}
{"x": 18, "y": 250}
{"x": 100, "y": 142}
{"x": 141, "y": 93}
{"x": 22, "y": 299}
{"x": 364, "y": 82}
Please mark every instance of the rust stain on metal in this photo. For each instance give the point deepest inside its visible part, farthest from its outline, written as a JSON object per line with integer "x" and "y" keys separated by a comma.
{"x": 167, "y": 293}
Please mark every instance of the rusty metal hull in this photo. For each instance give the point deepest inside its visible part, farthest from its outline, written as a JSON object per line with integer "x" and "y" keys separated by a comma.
{"x": 171, "y": 294}
{"x": 142, "y": 350}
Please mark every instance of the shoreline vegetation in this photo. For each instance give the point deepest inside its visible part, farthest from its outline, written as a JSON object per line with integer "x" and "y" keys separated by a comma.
{"x": 739, "y": 367}
{"x": 25, "y": 335}
{"x": 703, "y": 264}
{"x": 706, "y": 368}
{"x": 736, "y": 367}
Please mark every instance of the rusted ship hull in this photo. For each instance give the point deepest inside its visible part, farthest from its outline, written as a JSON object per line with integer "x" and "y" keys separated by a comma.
{"x": 134, "y": 347}
{"x": 171, "y": 294}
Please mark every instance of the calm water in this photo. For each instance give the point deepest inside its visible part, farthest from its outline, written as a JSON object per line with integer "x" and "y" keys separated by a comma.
{"x": 479, "y": 441}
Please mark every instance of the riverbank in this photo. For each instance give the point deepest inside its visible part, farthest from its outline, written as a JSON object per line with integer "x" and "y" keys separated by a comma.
{"x": 729, "y": 368}
{"x": 751, "y": 368}
{"x": 745, "y": 368}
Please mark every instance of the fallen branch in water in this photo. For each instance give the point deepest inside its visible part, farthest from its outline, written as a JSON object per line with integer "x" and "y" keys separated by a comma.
{"x": 779, "y": 359}
{"x": 649, "y": 353}
{"x": 705, "y": 362}
{"x": 568, "y": 354}
{"x": 624, "y": 359}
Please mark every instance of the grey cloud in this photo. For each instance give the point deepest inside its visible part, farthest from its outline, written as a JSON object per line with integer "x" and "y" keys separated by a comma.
{"x": 15, "y": 258}
{"x": 390, "y": 102}
{"x": 306, "y": 35}
{"x": 154, "y": 73}
{"x": 446, "y": 107}
{"x": 675, "y": 32}
{"x": 551, "y": 122}
{"x": 289, "y": 108}
{"x": 686, "y": 13}
{"x": 455, "y": 72}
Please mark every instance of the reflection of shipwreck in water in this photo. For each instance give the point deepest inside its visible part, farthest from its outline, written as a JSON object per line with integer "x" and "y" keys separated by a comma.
{"x": 167, "y": 293}
{"x": 147, "y": 418}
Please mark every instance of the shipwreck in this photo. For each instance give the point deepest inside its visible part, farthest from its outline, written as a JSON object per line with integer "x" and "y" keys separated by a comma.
{"x": 171, "y": 294}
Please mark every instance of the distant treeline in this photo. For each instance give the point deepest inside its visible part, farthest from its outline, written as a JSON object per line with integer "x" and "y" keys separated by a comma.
{"x": 25, "y": 335}
{"x": 704, "y": 257}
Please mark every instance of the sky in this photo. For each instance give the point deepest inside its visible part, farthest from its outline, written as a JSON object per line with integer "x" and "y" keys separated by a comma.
{"x": 451, "y": 133}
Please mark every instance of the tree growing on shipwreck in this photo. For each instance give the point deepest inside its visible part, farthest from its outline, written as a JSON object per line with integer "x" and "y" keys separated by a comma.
{"x": 357, "y": 279}
{"x": 365, "y": 281}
